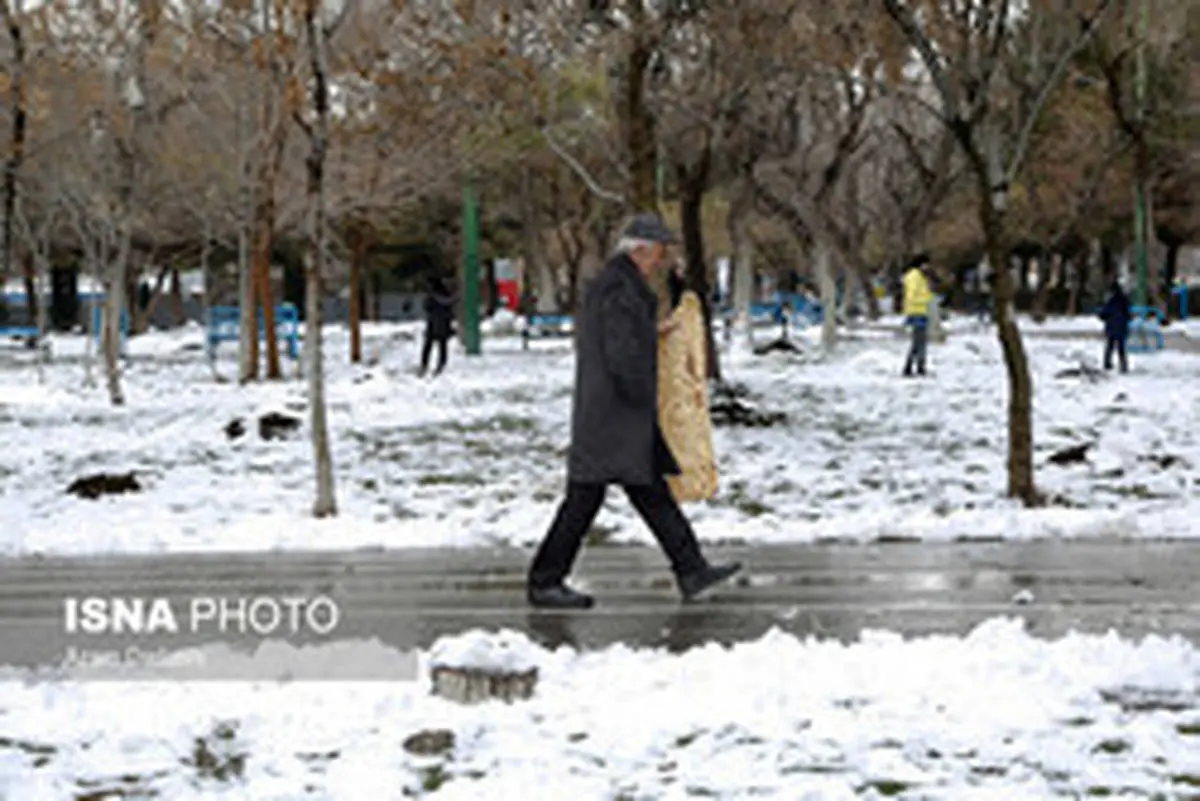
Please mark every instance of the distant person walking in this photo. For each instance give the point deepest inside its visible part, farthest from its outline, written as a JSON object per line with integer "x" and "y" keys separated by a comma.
{"x": 615, "y": 434}
{"x": 917, "y": 297}
{"x": 439, "y": 324}
{"x": 1116, "y": 314}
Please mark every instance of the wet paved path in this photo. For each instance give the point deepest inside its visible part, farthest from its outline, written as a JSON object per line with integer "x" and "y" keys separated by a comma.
{"x": 408, "y": 598}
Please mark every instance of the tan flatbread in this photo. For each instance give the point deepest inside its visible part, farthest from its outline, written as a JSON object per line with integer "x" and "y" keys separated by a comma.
{"x": 683, "y": 403}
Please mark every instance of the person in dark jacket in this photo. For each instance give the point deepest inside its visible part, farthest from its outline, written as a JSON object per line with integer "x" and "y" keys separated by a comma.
{"x": 439, "y": 324}
{"x": 1116, "y": 314}
{"x": 615, "y": 437}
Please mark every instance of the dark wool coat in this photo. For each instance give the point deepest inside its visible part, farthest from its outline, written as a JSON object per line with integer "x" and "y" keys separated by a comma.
{"x": 439, "y": 316}
{"x": 1116, "y": 314}
{"x": 615, "y": 438}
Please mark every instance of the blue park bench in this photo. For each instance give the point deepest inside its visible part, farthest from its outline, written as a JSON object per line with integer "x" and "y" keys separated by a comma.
{"x": 547, "y": 325}
{"x": 1145, "y": 329}
{"x": 225, "y": 325}
{"x": 783, "y": 307}
{"x": 27, "y": 333}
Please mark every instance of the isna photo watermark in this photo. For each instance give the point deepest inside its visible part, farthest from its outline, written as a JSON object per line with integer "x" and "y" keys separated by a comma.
{"x": 265, "y": 616}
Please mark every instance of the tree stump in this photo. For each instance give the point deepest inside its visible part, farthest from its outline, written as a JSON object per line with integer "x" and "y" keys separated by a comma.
{"x": 477, "y": 666}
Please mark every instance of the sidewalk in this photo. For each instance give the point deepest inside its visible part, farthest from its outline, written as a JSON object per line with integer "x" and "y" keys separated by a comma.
{"x": 410, "y": 598}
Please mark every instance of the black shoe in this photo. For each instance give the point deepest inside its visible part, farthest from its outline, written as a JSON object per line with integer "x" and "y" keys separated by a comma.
{"x": 693, "y": 585}
{"x": 560, "y": 597}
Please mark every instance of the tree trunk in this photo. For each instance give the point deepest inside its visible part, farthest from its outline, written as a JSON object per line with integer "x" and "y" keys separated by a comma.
{"x": 868, "y": 289}
{"x": 264, "y": 225}
{"x": 533, "y": 249}
{"x": 1041, "y": 296}
{"x": 638, "y": 118}
{"x": 1076, "y": 270}
{"x": 693, "y": 185}
{"x": 358, "y": 255}
{"x": 42, "y": 268}
{"x": 828, "y": 289}
{"x": 325, "y": 504}
{"x": 16, "y": 150}
{"x": 156, "y": 295}
{"x": 31, "y": 298}
{"x": 263, "y": 231}
{"x": 248, "y": 306}
{"x": 113, "y": 306}
{"x": 743, "y": 270}
{"x": 1020, "y": 400}
{"x": 178, "y": 311}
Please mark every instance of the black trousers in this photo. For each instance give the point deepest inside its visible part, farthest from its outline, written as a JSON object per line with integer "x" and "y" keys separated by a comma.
{"x": 426, "y": 349}
{"x": 653, "y": 502}
{"x": 1117, "y": 344}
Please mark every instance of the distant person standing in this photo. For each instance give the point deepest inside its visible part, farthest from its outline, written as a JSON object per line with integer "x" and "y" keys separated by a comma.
{"x": 1116, "y": 314}
{"x": 917, "y": 297}
{"x": 439, "y": 324}
{"x": 615, "y": 433}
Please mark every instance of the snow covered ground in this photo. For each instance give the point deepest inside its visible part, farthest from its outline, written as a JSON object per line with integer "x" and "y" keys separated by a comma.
{"x": 477, "y": 456}
{"x": 994, "y": 715}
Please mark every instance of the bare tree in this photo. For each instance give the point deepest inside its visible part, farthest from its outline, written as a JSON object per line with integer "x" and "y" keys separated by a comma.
{"x": 966, "y": 52}
{"x": 317, "y": 131}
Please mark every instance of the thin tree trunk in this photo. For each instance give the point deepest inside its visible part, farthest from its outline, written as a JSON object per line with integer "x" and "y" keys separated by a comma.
{"x": 98, "y": 257}
{"x": 693, "y": 185}
{"x": 743, "y": 270}
{"x": 992, "y": 212}
{"x": 1076, "y": 270}
{"x": 247, "y": 305}
{"x": 16, "y": 151}
{"x": 537, "y": 266}
{"x": 114, "y": 305}
{"x": 639, "y": 120}
{"x": 358, "y": 254}
{"x": 264, "y": 224}
{"x": 156, "y": 295}
{"x": 1041, "y": 295}
{"x": 178, "y": 313}
{"x": 42, "y": 267}
{"x": 827, "y": 286}
{"x": 325, "y": 504}
{"x": 31, "y": 299}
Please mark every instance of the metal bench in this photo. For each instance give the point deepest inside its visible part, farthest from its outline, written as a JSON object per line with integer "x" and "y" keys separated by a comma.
{"x": 1145, "y": 329}
{"x": 27, "y": 333}
{"x": 224, "y": 324}
{"x": 546, "y": 325}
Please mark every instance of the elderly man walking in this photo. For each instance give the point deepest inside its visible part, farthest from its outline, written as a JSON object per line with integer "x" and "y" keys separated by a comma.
{"x": 615, "y": 436}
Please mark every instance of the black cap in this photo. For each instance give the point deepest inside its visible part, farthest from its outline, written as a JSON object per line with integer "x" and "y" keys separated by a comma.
{"x": 919, "y": 261}
{"x": 649, "y": 227}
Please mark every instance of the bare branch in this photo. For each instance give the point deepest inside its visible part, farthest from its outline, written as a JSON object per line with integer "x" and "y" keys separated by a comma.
{"x": 1089, "y": 25}
{"x": 903, "y": 17}
{"x": 579, "y": 169}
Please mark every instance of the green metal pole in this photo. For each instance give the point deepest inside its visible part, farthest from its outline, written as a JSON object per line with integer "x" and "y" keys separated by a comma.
{"x": 1140, "y": 216}
{"x": 471, "y": 270}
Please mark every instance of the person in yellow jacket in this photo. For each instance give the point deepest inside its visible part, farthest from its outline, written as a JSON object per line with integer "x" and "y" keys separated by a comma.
{"x": 917, "y": 297}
